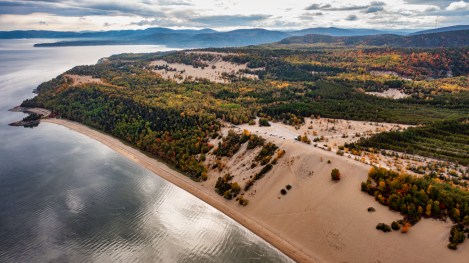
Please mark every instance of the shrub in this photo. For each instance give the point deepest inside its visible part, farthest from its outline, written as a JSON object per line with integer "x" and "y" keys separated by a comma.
{"x": 225, "y": 188}
{"x": 283, "y": 192}
{"x": 280, "y": 154}
{"x": 304, "y": 139}
{"x": 383, "y": 227}
{"x": 457, "y": 236}
{"x": 364, "y": 186}
{"x": 266, "y": 153}
{"x": 32, "y": 117}
{"x": 288, "y": 187}
{"x": 204, "y": 176}
{"x": 214, "y": 135}
{"x": 405, "y": 228}
{"x": 264, "y": 122}
{"x": 386, "y": 228}
{"x": 452, "y": 246}
{"x": 248, "y": 185}
{"x": 371, "y": 209}
{"x": 230, "y": 144}
{"x": 263, "y": 171}
{"x": 255, "y": 141}
{"x": 258, "y": 176}
{"x": 242, "y": 201}
{"x": 395, "y": 225}
{"x": 335, "y": 174}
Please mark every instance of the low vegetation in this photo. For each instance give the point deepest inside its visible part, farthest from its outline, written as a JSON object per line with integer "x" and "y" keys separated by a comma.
{"x": 383, "y": 227}
{"x": 395, "y": 225}
{"x": 335, "y": 175}
{"x": 447, "y": 140}
{"x": 264, "y": 122}
{"x": 226, "y": 188}
{"x": 418, "y": 197}
{"x": 230, "y": 144}
{"x": 32, "y": 117}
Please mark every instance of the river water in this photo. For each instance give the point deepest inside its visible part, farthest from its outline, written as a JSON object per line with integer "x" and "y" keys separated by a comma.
{"x": 67, "y": 198}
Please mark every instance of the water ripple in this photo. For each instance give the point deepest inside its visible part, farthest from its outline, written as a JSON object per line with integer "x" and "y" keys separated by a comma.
{"x": 67, "y": 198}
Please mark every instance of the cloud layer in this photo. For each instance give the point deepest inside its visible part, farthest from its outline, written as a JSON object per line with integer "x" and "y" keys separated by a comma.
{"x": 229, "y": 14}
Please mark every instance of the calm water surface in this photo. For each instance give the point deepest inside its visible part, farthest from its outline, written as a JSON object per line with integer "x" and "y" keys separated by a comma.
{"x": 67, "y": 198}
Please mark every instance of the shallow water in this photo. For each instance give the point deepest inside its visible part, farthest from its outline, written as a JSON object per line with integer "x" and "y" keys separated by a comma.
{"x": 66, "y": 198}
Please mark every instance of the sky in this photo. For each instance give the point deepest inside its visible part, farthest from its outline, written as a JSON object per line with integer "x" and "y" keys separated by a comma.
{"x": 84, "y": 15}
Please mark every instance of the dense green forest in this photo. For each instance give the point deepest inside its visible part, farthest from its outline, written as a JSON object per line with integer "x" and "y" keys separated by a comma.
{"x": 448, "y": 140}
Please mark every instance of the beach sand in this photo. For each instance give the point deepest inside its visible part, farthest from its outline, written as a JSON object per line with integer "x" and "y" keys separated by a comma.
{"x": 318, "y": 220}
{"x": 182, "y": 181}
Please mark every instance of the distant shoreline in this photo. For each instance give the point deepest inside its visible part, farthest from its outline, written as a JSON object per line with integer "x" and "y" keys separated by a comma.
{"x": 162, "y": 170}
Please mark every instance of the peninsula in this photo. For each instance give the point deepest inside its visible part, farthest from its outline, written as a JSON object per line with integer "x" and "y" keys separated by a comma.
{"x": 282, "y": 138}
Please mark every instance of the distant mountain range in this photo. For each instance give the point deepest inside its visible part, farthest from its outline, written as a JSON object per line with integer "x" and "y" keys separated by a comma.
{"x": 341, "y": 32}
{"x": 126, "y": 34}
{"x": 242, "y": 37}
{"x": 458, "y": 38}
{"x": 442, "y": 29}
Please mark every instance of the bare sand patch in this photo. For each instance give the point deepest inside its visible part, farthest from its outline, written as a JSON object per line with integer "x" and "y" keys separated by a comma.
{"x": 331, "y": 219}
{"x": 222, "y": 54}
{"x": 331, "y": 134}
{"x": 390, "y": 94}
{"x": 78, "y": 80}
{"x": 216, "y": 71}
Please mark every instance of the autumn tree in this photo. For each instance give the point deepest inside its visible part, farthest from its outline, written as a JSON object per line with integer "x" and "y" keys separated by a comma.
{"x": 335, "y": 174}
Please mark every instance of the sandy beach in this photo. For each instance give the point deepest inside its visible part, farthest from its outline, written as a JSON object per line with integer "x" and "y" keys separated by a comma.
{"x": 178, "y": 179}
{"x": 318, "y": 220}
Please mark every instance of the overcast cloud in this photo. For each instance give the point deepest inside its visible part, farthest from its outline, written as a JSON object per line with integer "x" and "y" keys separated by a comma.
{"x": 230, "y": 14}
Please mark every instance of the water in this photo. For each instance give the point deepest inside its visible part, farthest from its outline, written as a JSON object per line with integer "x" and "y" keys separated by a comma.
{"x": 67, "y": 198}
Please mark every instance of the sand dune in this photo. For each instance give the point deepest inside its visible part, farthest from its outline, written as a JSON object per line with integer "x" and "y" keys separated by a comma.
{"x": 78, "y": 80}
{"x": 214, "y": 71}
{"x": 318, "y": 220}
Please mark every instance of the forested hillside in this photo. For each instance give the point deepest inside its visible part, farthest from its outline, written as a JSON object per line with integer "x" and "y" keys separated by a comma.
{"x": 174, "y": 121}
{"x": 440, "y": 39}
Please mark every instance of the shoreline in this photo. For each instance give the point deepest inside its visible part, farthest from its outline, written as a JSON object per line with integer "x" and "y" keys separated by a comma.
{"x": 174, "y": 177}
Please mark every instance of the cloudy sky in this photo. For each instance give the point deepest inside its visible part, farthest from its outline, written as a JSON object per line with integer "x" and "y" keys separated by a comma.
{"x": 80, "y": 15}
